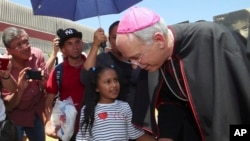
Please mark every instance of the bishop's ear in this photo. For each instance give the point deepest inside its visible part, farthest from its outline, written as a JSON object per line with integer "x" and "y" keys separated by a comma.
{"x": 159, "y": 39}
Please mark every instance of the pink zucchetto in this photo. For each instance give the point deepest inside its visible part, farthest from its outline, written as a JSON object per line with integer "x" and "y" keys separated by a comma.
{"x": 137, "y": 18}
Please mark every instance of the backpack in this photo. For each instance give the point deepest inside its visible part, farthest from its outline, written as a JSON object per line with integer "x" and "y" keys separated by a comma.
{"x": 59, "y": 71}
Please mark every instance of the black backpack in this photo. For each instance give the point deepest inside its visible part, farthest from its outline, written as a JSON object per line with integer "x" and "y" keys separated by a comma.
{"x": 59, "y": 71}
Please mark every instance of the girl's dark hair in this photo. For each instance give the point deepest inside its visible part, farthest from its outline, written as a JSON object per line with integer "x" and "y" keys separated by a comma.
{"x": 91, "y": 97}
{"x": 113, "y": 25}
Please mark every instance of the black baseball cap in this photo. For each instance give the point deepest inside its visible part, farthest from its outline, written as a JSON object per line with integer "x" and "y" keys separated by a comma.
{"x": 64, "y": 35}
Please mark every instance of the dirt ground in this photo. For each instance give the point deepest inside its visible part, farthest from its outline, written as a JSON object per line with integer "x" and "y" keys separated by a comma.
{"x": 47, "y": 139}
{"x": 50, "y": 139}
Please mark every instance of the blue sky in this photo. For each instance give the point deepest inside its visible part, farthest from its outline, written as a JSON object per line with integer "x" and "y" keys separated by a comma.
{"x": 172, "y": 11}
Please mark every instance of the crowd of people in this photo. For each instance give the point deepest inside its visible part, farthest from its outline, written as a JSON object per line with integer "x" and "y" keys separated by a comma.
{"x": 195, "y": 75}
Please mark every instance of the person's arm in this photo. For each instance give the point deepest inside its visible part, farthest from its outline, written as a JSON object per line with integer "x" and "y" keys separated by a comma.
{"x": 99, "y": 37}
{"x": 133, "y": 131}
{"x": 51, "y": 90}
{"x": 8, "y": 82}
{"x": 50, "y": 130}
{"x": 49, "y": 105}
{"x": 14, "y": 98}
{"x": 146, "y": 137}
{"x": 52, "y": 58}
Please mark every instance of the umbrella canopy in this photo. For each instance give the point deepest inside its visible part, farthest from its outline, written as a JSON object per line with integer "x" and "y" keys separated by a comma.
{"x": 79, "y": 9}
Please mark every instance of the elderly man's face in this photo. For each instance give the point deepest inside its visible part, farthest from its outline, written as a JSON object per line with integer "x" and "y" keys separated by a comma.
{"x": 20, "y": 47}
{"x": 146, "y": 56}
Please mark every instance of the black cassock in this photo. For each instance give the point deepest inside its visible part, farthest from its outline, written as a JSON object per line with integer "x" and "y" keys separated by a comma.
{"x": 215, "y": 74}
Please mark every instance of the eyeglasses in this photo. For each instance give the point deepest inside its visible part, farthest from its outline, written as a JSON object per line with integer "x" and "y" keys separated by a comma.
{"x": 136, "y": 61}
{"x": 20, "y": 45}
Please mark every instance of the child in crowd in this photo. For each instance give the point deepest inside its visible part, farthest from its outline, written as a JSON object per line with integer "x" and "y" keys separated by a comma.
{"x": 104, "y": 117}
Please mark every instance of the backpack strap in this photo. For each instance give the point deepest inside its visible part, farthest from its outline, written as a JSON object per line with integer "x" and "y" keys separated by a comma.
{"x": 59, "y": 71}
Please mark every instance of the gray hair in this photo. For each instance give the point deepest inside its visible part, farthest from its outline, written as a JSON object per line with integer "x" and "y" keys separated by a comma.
{"x": 10, "y": 33}
{"x": 146, "y": 34}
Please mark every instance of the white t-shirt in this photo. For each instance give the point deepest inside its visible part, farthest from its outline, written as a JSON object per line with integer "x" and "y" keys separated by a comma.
{"x": 112, "y": 123}
{"x": 2, "y": 110}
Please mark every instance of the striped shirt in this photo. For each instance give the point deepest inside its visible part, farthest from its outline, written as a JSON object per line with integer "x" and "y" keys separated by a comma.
{"x": 112, "y": 123}
{"x": 2, "y": 110}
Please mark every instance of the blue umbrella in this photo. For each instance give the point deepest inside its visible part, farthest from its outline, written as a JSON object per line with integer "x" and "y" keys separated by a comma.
{"x": 80, "y": 9}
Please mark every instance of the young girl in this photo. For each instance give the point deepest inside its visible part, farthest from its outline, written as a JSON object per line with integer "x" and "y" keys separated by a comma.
{"x": 103, "y": 117}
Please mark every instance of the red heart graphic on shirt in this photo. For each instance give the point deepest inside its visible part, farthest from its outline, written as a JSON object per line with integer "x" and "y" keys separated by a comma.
{"x": 103, "y": 115}
{"x": 63, "y": 118}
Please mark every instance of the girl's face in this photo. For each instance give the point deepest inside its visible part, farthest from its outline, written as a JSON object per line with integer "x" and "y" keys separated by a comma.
{"x": 108, "y": 86}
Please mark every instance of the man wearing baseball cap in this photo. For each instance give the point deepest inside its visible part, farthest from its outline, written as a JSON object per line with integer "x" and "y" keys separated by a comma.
{"x": 204, "y": 75}
{"x": 71, "y": 45}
